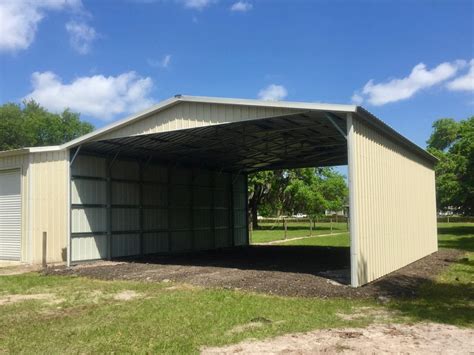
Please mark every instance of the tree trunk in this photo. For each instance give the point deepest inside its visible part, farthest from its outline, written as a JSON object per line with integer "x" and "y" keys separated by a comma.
{"x": 254, "y": 217}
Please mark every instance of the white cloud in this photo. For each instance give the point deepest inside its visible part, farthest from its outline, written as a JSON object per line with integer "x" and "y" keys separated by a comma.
{"x": 163, "y": 63}
{"x": 401, "y": 89}
{"x": 81, "y": 36}
{"x": 197, "y": 4}
{"x": 241, "y": 6}
{"x": 19, "y": 20}
{"x": 464, "y": 82}
{"x": 273, "y": 93}
{"x": 98, "y": 96}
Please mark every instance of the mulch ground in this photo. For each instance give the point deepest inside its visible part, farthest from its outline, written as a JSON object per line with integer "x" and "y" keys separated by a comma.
{"x": 281, "y": 270}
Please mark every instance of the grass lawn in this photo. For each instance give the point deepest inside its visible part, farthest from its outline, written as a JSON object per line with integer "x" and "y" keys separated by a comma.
{"x": 73, "y": 314}
{"x": 274, "y": 231}
{"x": 84, "y": 317}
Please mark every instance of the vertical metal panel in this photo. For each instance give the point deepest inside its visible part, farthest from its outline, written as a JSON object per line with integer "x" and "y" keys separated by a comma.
{"x": 86, "y": 165}
{"x": 89, "y": 247}
{"x": 155, "y": 194}
{"x": 155, "y": 218}
{"x": 188, "y": 211}
{"x": 125, "y": 169}
{"x": 156, "y": 242}
{"x": 125, "y": 193}
{"x": 393, "y": 204}
{"x": 88, "y": 220}
{"x": 240, "y": 210}
{"x": 48, "y": 198}
{"x": 89, "y": 187}
{"x": 125, "y": 219}
{"x": 125, "y": 244}
{"x": 10, "y": 214}
{"x": 88, "y": 191}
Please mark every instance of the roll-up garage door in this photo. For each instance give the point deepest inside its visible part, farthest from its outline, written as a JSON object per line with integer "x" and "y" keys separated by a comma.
{"x": 10, "y": 215}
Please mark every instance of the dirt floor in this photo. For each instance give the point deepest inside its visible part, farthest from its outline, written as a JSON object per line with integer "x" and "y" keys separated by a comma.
{"x": 281, "y": 270}
{"x": 421, "y": 338}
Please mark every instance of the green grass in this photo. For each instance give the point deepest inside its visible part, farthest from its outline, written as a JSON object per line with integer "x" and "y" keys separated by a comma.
{"x": 449, "y": 299}
{"x": 338, "y": 240}
{"x": 456, "y": 235}
{"x": 275, "y": 231}
{"x": 88, "y": 320}
{"x": 84, "y": 317}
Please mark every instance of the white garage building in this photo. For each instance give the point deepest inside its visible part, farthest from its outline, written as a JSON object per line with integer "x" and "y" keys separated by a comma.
{"x": 173, "y": 179}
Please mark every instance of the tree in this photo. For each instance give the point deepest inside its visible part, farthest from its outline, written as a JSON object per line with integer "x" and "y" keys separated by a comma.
{"x": 308, "y": 190}
{"x": 30, "y": 125}
{"x": 452, "y": 143}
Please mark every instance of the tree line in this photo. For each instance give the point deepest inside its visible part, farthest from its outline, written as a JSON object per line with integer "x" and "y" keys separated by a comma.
{"x": 272, "y": 193}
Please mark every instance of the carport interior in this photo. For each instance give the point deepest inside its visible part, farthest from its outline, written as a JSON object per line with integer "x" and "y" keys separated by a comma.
{"x": 186, "y": 190}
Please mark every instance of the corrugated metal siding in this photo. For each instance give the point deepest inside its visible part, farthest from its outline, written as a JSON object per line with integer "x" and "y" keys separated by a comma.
{"x": 48, "y": 198}
{"x": 394, "y": 198}
{"x": 191, "y": 114}
{"x": 89, "y": 212}
{"x": 10, "y": 215}
{"x": 21, "y": 162}
{"x": 179, "y": 209}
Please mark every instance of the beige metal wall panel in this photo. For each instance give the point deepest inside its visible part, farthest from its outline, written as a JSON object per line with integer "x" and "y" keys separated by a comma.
{"x": 156, "y": 195}
{"x": 393, "y": 205}
{"x": 180, "y": 209}
{"x": 221, "y": 218}
{"x": 86, "y": 165}
{"x": 203, "y": 240}
{"x": 89, "y": 220}
{"x": 88, "y": 192}
{"x": 154, "y": 218}
{"x": 194, "y": 114}
{"x": 125, "y": 193}
{"x": 125, "y": 245}
{"x": 155, "y": 173}
{"x": 181, "y": 241}
{"x": 125, "y": 219}
{"x": 125, "y": 169}
{"x": 48, "y": 202}
{"x": 21, "y": 162}
{"x": 89, "y": 247}
{"x": 223, "y": 238}
{"x": 155, "y": 243}
{"x": 240, "y": 236}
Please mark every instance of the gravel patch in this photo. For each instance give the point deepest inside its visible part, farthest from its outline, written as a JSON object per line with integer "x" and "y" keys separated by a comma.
{"x": 280, "y": 270}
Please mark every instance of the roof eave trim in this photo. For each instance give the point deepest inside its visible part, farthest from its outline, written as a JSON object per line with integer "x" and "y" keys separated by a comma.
{"x": 385, "y": 128}
{"x": 121, "y": 123}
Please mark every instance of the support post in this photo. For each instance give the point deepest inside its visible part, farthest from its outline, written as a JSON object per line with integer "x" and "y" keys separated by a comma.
{"x": 285, "y": 226}
{"x": 45, "y": 248}
{"x": 353, "y": 218}
{"x": 109, "y": 209}
{"x": 213, "y": 208}
{"x": 248, "y": 220}
{"x": 168, "y": 206}
{"x": 140, "y": 206}
{"x": 231, "y": 210}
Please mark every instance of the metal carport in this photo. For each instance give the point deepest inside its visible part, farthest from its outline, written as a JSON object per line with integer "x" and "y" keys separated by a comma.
{"x": 391, "y": 180}
{"x": 173, "y": 178}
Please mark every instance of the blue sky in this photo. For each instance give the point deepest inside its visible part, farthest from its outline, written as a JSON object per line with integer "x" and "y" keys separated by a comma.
{"x": 408, "y": 62}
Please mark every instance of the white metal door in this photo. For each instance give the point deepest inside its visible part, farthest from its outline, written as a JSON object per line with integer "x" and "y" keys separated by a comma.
{"x": 10, "y": 215}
